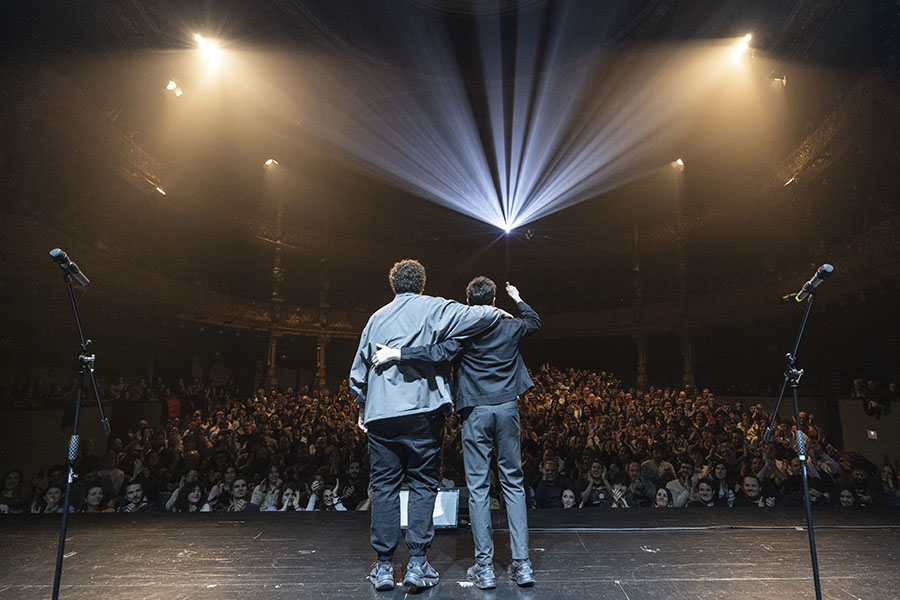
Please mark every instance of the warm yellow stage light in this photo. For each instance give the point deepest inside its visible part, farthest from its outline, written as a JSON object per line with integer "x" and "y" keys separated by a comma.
{"x": 171, "y": 85}
{"x": 679, "y": 162}
{"x": 208, "y": 48}
{"x": 271, "y": 162}
{"x": 179, "y": 92}
{"x": 741, "y": 47}
{"x": 160, "y": 190}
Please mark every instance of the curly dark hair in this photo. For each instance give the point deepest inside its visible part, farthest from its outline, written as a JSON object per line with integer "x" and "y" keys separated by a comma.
{"x": 481, "y": 291}
{"x": 408, "y": 275}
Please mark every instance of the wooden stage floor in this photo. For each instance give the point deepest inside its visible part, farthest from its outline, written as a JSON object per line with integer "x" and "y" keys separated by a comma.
{"x": 586, "y": 555}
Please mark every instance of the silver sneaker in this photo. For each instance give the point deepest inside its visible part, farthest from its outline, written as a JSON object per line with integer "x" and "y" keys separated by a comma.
{"x": 420, "y": 576}
{"x": 382, "y": 576}
{"x": 482, "y": 576}
{"x": 522, "y": 573}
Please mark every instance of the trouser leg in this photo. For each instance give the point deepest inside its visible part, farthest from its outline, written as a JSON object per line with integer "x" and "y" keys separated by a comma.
{"x": 386, "y": 467}
{"x": 509, "y": 461}
{"x": 424, "y": 437}
{"x": 477, "y": 442}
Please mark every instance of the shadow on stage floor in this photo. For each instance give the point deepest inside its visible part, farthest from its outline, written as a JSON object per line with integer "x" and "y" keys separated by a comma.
{"x": 584, "y": 555}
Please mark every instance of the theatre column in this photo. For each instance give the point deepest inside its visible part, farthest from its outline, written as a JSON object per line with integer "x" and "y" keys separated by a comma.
{"x": 321, "y": 342}
{"x": 687, "y": 349}
{"x": 641, "y": 342}
{"x": 271, "y": 362}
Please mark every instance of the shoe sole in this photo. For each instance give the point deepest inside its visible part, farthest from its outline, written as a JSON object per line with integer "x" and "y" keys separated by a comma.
{"x": 383, "y": 586}
{"x": 417, "y": 585}
{"x": 522, "y": 583}
{"x": 482, "y": 584}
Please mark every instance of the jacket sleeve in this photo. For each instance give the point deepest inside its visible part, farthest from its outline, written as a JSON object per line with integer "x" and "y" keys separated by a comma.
{"x": 531, "y": 318}
{"x": 359, "y": 371}
{"x": 433, "y": 353}
{"x": 454, "y": 320}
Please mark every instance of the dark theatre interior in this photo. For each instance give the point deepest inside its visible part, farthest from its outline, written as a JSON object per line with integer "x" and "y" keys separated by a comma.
{"x": 658, "y": 179}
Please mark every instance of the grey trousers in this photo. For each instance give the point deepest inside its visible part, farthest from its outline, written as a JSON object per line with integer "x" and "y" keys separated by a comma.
{"x": 486, "y": 427}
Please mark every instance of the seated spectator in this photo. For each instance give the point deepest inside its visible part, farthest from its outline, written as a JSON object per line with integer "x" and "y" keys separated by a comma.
{"x": 188, "y": 498}
{"x": 657, "y": 469}
{"x": 682, "y": 490}
{"x": 50, "y": 501}
{"x": 16, "y": 495}
{"x": 723, "y": 483}
{"x": 354, "y": 490}
{"x": 706, "y": 496}
{"x": 619, "y": 496}
{"x": 867, "y": 489}
{"x": 97, "y": 500}
{"x": 135, "y": 501}
{"x": 643, "y": 492}
{"x": 549, "y": 491}
{"x": 289, "y": 500}
{"x": 752, "y": 494}
{"x": 239, "y": 501}
{"x": 663, "y": 498}
{"x": 594, "y": 486}
{"x": 847, "y": 498}
{"x": 266, "y": 494}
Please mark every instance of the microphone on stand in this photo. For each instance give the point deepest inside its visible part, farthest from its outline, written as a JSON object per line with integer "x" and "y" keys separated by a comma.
{"x": 69, "y": 267}
{"x": 810, "y": 287}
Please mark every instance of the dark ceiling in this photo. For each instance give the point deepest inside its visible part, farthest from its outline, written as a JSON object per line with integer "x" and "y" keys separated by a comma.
{"x": 215, "y": 225}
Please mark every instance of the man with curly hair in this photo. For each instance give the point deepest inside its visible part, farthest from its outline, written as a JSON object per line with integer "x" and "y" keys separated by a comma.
{"x": 489, "y": 378}
{"x": 402, "y": 407}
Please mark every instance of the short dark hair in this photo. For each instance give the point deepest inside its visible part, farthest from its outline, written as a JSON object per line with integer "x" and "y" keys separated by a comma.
{"x": 481, "y": 291}
{"x": 707, "y": 481}
{"x": 407, "y": 275}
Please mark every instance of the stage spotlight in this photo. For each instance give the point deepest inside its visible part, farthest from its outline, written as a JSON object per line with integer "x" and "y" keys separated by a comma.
{"x": 208, "y": 48}
{"x": 271, "y": 162}
{"x": 679, "y": 162}
{"x": 741, "y": 48}
{"x": 171, "y": 85}
{"x": 179, "y": 92}
{"x": 160, "y": 190}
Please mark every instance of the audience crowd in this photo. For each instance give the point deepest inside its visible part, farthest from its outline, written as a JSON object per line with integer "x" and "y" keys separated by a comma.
{"x": 587, "y": 442}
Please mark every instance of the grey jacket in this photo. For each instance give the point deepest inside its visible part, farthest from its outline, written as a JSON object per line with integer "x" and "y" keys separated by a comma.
{"x": 399, "y": 389}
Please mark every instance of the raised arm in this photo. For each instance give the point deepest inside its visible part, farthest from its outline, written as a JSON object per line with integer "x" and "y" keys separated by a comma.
{"x": 531, "y": 318}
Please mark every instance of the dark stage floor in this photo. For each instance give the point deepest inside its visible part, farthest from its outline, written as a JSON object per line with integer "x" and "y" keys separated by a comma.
{"x": 672, "y": 554}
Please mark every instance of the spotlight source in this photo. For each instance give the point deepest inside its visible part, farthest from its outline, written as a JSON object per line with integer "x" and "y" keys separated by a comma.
{"x": 208, "y": 48}
{"x": 679, "y": 162}
{"x": 171, "y": 85}
{"x": 271, "y": 162}
{"x": 160, "y": 190}
{"x": 741, "y": 48}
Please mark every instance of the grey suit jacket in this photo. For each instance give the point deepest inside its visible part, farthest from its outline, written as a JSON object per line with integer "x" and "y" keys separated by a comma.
{"x": 400, "y": 389}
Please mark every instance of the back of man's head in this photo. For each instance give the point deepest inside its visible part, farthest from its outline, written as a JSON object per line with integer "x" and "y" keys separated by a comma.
{"x": 408, "y": 275}
{"x": 481, "y": 291}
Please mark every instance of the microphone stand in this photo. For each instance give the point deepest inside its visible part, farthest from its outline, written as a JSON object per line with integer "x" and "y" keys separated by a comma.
{"x": 792, "y": 377}
{"x": 86, "y": 363}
